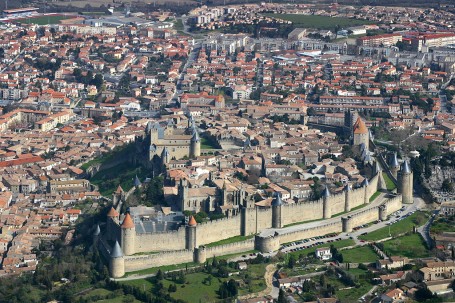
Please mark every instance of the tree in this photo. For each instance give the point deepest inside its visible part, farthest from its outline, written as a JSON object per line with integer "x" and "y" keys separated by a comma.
{"x": 447, "y": 185}
{"x": 291, "y": 261}
{"x": 282, "y": 297}
{"x": 159, "y": 275}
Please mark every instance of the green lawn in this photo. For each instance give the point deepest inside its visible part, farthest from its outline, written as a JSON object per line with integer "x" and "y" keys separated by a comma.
{"x": 319, "y": 22}
{"x": 178, "y": 25}
{"x": 230, "y": 240}
{"x": 207, "y": 144}
{"x": 363, "y": 254}
{"x": 117, "y": 153}
{"x": 44, "y": 20}
{"x": 336, "y": 244}
{"x": 353, "y": 294}
{"x": 108, "y": 180}
{"x": 406, "y": 225}
{"x": 374, "y": 196}
{"x": 411, "y": 246}
{"x": 197, "y": 289}
{"x": 100, "y": 295}
{"x": 388, "y": 182}
{"x": 443, "y": 224}
{"x": 165, "y": 268}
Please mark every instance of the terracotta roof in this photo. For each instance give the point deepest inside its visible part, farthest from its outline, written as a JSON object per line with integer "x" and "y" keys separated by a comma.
{"x": 128, "y": 221}
{"x": 112, "y": 212}
{"x": 192, "y": 221}
{"x": 360, "y": 127}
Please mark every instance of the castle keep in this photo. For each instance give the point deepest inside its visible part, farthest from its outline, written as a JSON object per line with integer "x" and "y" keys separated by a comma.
{"x": 187, "y": 243}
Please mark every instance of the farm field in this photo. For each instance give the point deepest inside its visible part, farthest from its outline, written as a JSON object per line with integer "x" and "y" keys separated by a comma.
{"x": 44, "y": 20}
{"x": 319, "y": 22}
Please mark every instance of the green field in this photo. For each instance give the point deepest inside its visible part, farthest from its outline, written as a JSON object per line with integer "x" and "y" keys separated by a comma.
{"x": 443, "y": 224}
{"x": 411, "y": 246}
{"x": 207, "y": 144}
{"x": 364, "y": 254}
{"x": 319, "y": 22}
{"x": 401, "y": 227}
{"x": 197, "y": 289}
{"x": 374, "y": 196}
{"x": 153, "y": 270}
{"x": 388, "y": 182}
{"x": 336, "y": 244}
{"x": 103, "y": 295}
{"x": 109, "y": 179}
{"x": 230, "y": 240}
{"x": 353, "y": 294}
{"x": 44, "y": 20}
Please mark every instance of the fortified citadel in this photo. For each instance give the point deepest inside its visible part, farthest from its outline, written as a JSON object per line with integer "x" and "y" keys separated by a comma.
{"x": 126, "y": 244}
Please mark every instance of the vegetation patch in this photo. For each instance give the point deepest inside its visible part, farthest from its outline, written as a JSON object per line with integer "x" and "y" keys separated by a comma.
{"x": 388, "y": 182}
{"x": 411, "y": 246}
{"x": 230, "y": 240}
{"x": 374, "y": 196}
{"x": 43, "y": 20}
{"x": 403, "y": 226}
{"x": 363, "y": 254}
{"x": 443, "y": 224}
{"x": 319, "y": 22}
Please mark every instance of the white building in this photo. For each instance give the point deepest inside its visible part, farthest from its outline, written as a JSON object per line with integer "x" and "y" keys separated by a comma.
{"x": 323, "y": 253}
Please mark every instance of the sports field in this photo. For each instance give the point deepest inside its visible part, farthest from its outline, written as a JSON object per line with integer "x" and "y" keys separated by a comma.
{"x": 43, "y": 20}
{"x": 319, "y": 22}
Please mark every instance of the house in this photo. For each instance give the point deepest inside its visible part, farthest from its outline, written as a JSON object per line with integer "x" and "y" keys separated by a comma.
{"x": 394, "y": 295}
{"x": 323, "y": 253}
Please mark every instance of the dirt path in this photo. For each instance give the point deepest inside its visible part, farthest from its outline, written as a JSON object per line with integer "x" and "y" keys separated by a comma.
{"x": 268, "y": 277}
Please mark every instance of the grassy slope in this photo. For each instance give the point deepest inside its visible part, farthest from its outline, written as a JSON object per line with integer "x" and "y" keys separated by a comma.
{"x": 400, "y": 227}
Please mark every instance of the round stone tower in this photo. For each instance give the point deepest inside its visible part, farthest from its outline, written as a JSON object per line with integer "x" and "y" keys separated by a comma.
{"x": 112, "y": 224}
{"x": 394, "y": 166}
{"x": 195, "y": 145}
{"x": 200, "y": 255}
{"x": 116, "y": 262}
{"x": 383, "y": 212}
{"x": 190, "y": 231}
{"x": 128, "y": 235}
{"x": 325, "y": 203}
{"x": 360, "y": 134}
{"x": 277, "y": 204}
{"x": 347, "y": 198}
{"x": 267, "y": 244}
{"x": 346, "y": 224}
{"x": 406, "y": 183}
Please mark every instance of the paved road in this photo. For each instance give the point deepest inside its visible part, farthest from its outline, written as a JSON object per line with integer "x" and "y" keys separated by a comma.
{"x": 425, "y": 229}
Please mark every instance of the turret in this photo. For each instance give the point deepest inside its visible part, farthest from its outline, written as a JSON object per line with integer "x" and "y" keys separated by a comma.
{"x": 165, "y": 156}
{"x": 325, "y": 200}
{"x": 347, "y": 198}
{"x": 116, "y": 262}
{"x": 394, "y": 166}
{"x": 112, "y": 224}
{"x": 277, "y": 204}
{"x": 360, "y": 133}
{"x": 137, "y": 182}
{"x": 190, "y": 231}
{"x": 96, "y": 235}
{"x": 128, "y": 235}
{"x": 365, "y": 185}
{"x": 406, "y": 183}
